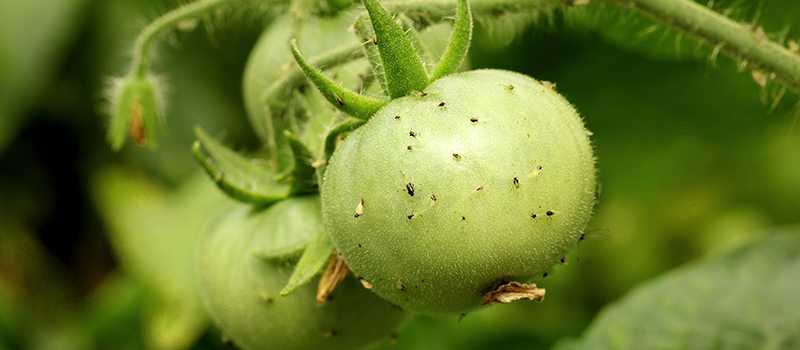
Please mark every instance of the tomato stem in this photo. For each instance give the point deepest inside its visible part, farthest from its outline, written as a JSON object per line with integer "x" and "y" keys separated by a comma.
{"x": 725, "y": 35}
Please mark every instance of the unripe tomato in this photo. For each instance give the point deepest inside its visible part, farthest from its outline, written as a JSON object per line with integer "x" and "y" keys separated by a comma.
{"x": 486, "y": 177}
{"x": 241, "y": 287}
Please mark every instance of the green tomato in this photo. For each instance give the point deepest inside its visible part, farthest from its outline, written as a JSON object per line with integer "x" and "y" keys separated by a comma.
{"x": 241, "y": 287}
{"x": 485, "y": 178}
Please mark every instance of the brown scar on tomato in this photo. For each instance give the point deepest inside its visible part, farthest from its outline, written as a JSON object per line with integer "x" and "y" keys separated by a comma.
{"x": 334, "y": 274}
{"x": 512, "y": 292}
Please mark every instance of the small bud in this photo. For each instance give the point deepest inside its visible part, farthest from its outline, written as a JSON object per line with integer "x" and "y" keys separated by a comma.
{"x": 136, "y": 109}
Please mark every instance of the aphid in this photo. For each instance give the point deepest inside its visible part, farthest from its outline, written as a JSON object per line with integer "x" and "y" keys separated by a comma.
{"x": 535, "y": 171}
{"x": 463, "y": 218}
{"x": 473, "y": 119}
{"x": 533, "y": 215}
{"x": 479, "y": 188}
{"x": 419, "y": 94}
{"x": 508, "y": 87}
{"x": 410, "y": 216}
{"x": 598, "y": 234}
{"x": 360, "y": 208}
{"x": 457, "y": 156}
{"x": 409, "y": 186}
{"x": 338, "y": 100}
{"x": 441, "y": 104}
{"x": 410, "y": 147}
{"x": 365, "y": 283}
{"x": 397, "y": 117}
{"x": 433, "y": 197}
{"x": 412, "y": 134}
{"x": 550, "y": 213}
{"x": 516, "y": 182}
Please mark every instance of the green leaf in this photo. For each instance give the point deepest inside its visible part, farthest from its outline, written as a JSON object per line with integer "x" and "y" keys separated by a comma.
{"x": 359, "y": 106}
{"x": 404, "y": 69}
{"x": 154, "y": 232}
{"x": 459, "y": 43}
{"x": 235, "y": 175}
{"x": 745, "y": 299}
{"x": 316, "y": 255}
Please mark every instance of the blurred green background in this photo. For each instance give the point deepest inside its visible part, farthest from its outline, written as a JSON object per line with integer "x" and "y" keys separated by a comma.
{"x": 96, "y": 248}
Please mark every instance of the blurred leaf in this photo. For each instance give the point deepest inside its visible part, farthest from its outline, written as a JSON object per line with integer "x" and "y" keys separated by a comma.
{"x": 154, "y": 232}
{"x": 33, "y": 36}
{"x": 746, "y": 299}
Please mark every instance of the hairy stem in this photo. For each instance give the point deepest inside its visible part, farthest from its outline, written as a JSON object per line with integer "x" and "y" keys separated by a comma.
{"x": 144, "y": 42}
{"x": 732, "y": 38}
{"x": 436, "y": 11}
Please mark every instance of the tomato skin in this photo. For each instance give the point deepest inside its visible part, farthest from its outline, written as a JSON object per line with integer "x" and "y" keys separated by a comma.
{"x": 487, "y": 179}
{"x": 241, "y": 289}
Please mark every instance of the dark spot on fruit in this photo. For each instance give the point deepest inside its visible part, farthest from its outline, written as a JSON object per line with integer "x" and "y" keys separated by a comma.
{"x": 423, "y": 281}
{"x": 516, "y": 182}
{"x": 563, "y": 260}
{"x": 409, "y": 147}
{"x": 533, "y": 216}
{"x": 412, "y": 134}
{"x": 410, "y": 189}
{"x": 463, "y": 218}
{"x": 545, "y": 274}
{"x": 359, "y": 245}
{"x": 457, "y": 156}
{"x": 550, "y": 213}
{"x": 473, "y": 119}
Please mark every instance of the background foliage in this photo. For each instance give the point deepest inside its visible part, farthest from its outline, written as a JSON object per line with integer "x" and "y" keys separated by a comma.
{"x": 96, "y": 248}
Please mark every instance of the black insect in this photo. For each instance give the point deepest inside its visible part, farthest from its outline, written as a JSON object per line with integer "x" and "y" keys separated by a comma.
{"x": 473, "y": 119}
{"x": 516, "y": 182}
{"x": 412, "y": 134}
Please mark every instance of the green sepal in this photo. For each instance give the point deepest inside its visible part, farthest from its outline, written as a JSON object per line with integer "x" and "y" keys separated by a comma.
{"x": 413, "y": 36}
{"x": 363, "y": 29}
{"x": 333, "y": 136}
{"x": 358, "y": 106}
{"x": 459, "y": 43}
{"x": 314, "y": 258}
{"x": 136, "y": 110}
{"x": 404, "y": 69}
{"x": 302, "y": 177}
{"x": 237, "y": 176}
{"x": 291, "y": 224}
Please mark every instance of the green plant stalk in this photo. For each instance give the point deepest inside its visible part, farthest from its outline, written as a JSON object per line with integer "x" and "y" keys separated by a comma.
{"x": 436, "y": 11}
{"x": 723, "y": 34}
{"x": 144, "y": 42}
